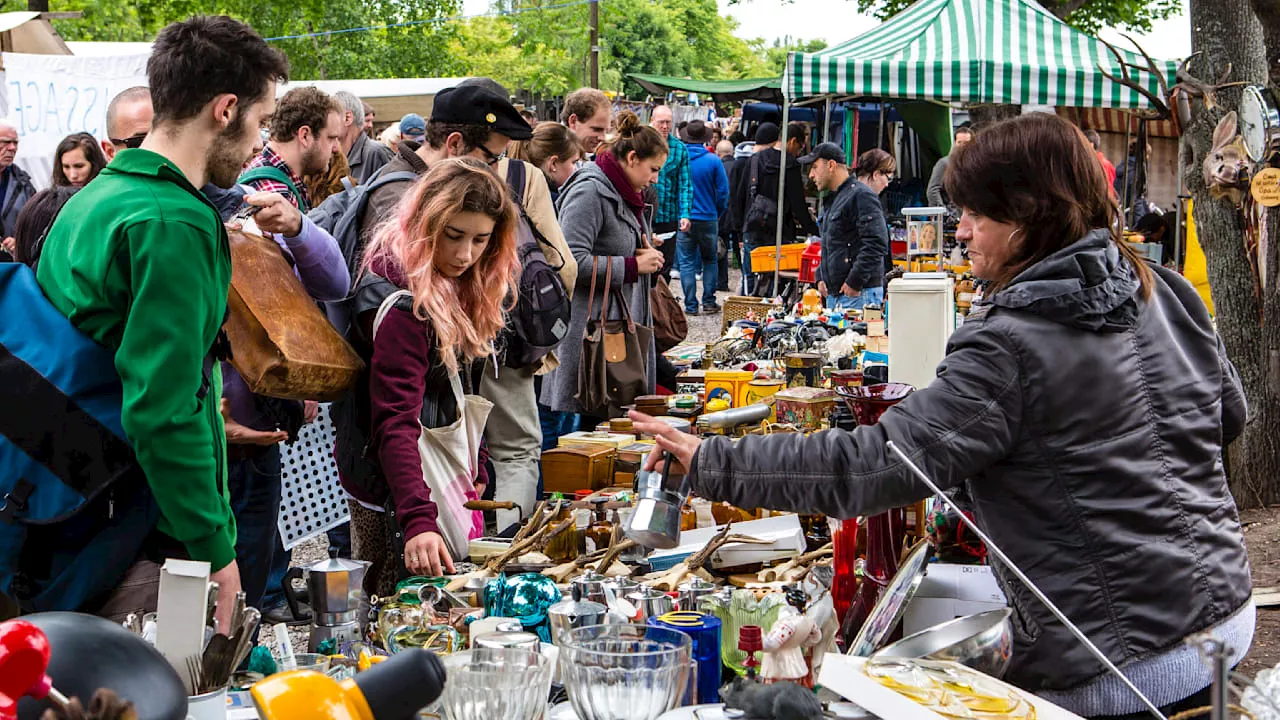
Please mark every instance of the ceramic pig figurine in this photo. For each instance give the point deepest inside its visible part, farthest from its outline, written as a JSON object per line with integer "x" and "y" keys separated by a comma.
{"x": 1226, "y": 168}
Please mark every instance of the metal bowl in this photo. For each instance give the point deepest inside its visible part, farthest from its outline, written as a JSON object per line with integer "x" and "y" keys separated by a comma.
{"x": 983, "y": 642}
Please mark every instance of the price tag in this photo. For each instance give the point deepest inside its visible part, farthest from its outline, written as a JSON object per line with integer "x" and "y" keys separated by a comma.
{"x": 1266, "y": 187}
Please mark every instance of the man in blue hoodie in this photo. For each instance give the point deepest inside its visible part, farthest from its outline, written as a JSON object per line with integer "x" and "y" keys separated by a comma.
{"x": 699, "y": 243}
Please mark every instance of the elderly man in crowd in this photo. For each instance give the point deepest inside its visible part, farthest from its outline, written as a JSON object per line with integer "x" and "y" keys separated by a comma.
{"x": 15, "y": 185}
{"x": 364, "y": 156}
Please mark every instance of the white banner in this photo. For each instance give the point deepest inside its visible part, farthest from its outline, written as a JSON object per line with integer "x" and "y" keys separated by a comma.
{"x": 48, "y": 97}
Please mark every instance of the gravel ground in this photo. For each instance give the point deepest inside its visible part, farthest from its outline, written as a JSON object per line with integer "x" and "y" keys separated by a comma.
{"x": 706, "y": 327}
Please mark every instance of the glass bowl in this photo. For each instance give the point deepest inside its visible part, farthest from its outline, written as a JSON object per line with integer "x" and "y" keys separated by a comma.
{"x": 489, "y": 683}
{"x": 624, "y": 672}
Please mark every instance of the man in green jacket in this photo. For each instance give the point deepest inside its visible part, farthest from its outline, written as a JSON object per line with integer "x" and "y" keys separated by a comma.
{"x": 140, "y": 262}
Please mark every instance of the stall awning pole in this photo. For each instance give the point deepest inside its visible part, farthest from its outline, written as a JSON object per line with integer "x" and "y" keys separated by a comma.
{"x": 782, "y": 187}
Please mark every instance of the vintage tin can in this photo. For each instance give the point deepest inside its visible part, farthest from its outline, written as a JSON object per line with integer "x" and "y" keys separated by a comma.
{"x": 803, "y": 369}
{"x": 805, "y": 407}
{"x": 704, "y": 630}
{"x": 759, "y": 391}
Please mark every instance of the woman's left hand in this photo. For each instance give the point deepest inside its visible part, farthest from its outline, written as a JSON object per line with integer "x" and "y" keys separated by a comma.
{"x": 680, "y": 444}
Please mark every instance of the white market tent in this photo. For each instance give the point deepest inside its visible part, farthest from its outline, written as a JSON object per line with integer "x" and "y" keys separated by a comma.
{"x": 967, "y": 51}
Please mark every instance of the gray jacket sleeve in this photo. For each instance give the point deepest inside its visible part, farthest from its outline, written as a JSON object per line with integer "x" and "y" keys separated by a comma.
{"x": 935, "y": 190}
{"x": 582, "y": 220}
{"x": 963, "y": 422}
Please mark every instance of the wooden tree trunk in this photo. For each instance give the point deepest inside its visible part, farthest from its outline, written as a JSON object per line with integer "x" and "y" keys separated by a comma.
{"x": 1227, "y": 31}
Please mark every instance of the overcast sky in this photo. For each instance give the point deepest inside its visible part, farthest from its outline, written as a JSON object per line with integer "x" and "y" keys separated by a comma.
{"x": 837, "y": 20}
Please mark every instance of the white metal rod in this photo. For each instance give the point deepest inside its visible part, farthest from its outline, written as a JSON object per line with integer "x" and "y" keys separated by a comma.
{"x": 995, "y": 550}
{"x": 782, "y": 186}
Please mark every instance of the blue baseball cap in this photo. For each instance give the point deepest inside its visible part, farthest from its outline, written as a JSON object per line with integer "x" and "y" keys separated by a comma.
{"x": 413, "y": 126}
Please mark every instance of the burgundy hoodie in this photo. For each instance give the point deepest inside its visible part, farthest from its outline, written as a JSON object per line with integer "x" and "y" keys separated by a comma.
{"x": 402, "y": 356}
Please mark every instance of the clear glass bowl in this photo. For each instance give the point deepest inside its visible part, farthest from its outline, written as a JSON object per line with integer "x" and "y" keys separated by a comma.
{"x": 624, "y": 672}
{"x": 489, "y": 683}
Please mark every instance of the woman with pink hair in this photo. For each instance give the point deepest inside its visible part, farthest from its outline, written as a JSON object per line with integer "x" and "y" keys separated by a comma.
{"x": 435, "y": 283}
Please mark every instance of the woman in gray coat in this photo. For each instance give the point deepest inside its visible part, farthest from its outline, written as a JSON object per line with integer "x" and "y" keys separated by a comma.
{"x": 1084, "y": 404}
{"x": 603, "y": 215}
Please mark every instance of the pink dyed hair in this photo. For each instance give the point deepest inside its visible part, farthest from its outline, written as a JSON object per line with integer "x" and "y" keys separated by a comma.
{"x": 466, "y": 312}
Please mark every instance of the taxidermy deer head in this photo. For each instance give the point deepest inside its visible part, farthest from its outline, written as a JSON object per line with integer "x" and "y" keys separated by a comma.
{"x": 1226, "y": 167}
{"x": 1173, "y": 101}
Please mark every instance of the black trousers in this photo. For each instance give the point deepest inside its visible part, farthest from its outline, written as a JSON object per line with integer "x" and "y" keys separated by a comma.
{"x": 668, "y": 247}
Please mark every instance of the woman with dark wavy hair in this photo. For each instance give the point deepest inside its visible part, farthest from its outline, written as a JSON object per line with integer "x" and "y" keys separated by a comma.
{"x": 77, "y": 160}
{"x": 1084, "y": 404}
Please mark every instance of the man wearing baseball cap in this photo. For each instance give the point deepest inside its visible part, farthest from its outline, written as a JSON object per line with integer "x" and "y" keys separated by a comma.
{"x": 413, "y": 127}
{"x": 854, "y": 234}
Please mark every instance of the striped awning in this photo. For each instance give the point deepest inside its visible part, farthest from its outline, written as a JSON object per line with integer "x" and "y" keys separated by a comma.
{"x": 974, "y": 51}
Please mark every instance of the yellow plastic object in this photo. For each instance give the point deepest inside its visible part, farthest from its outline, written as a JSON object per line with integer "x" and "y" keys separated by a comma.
{"x": 762, "y": 258}
{"x": 812, "y": 302}
{"x": 306, "y": 695}
{"x": 1194, "y": 268}
{"x": 717, "y": 405}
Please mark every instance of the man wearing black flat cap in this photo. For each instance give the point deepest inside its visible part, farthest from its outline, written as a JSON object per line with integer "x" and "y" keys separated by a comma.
{"x": 476, "y": 119}
{"x": 855, "y": 239}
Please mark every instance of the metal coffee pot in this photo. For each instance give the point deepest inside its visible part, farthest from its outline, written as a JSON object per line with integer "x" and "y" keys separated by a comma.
{"x": 655, "y": 523}
{"x": 651, "y": 602}
{"x": 693, "y": 591}
{"x": 574, "y": 613}
{"x": 336, "y": 587}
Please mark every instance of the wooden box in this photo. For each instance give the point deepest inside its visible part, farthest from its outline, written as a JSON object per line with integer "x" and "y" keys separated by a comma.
{"x": 572, "y": 468}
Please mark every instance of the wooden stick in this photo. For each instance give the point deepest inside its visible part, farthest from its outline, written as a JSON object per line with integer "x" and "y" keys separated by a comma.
{"x": 773, "y": 573}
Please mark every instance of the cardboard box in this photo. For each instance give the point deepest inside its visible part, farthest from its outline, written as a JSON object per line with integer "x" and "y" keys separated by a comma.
{"x": 180, "y": 613}
{"x": 951, "y": 591}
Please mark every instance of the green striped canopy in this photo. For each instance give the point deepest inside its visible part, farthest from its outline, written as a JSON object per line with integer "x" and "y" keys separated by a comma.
{"x": 976, "y": 51}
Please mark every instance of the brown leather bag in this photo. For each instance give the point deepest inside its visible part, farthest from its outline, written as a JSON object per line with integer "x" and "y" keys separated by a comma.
{"x": 281, "y": 343}
{"x": 611, "y": 371}
{"x": 670, "y": 326}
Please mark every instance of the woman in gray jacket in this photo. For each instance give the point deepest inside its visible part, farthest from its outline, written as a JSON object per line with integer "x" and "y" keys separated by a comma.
{"x": 603, "y": 214}
{"x": 1084, "y": 404}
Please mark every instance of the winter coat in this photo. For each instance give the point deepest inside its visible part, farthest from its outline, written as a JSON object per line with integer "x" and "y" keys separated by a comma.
{"x": 367, "y": 157}
{"x": 18, "y": 191}
{"x": 596, "y": 223}
{"x": 793, "y": 207}
{"x": 1087, "y": 425}
{"x": 855, "y": 239}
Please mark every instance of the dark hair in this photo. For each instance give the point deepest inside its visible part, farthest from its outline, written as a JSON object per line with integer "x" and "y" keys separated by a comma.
{"x": 473, "y": 136}
{"x": 1094, "y": 138}
{"x": 584, "y": 103}
{"x": 1038, "y": 172}
{"x": 874, "y": 160}
{"x": 798, "y": 131}
{"x": 303, "y": 107}
{"x": 549, "y": 140}
{"x": 965, "y": 128}
{"x": 92, "y": 153}
{"x": 643, "y": 140}
{"x": 737, "y": 138}
{"x": 196, "y": 60}
{"x": 133, "y": 94}
{"x": 34, "y": 219}
{"x": 528, "y": 114}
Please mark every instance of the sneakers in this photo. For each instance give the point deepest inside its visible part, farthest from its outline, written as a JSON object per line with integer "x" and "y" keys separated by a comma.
{"x": 711, "y": 309}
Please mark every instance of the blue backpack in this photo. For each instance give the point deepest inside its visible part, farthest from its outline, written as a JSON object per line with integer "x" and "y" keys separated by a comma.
{"x": 75, "y": 509}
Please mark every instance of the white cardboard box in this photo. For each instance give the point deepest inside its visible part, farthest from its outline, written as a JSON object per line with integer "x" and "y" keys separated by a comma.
{"x": 951, "y": 591}
{"x": 181, "y": 612}
{"x": 785, "y": 536}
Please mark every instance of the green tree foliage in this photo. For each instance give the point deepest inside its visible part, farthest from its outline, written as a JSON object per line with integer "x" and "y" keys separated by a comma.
{"x": 775, "y": 55}
{"x": 419, "y": 50}
{"x": 1087, "y": 15}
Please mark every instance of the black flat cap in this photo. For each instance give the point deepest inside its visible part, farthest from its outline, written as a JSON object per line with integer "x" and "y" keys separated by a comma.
{"x": 474, "y": 105}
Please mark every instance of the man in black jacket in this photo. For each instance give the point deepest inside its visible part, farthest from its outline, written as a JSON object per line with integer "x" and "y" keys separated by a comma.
{"x": 757, "y": 204}
{"x": 855, "y": 238}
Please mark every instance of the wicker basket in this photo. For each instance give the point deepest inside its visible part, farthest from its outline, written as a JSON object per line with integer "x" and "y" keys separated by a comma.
{"x": 737, "y": 307}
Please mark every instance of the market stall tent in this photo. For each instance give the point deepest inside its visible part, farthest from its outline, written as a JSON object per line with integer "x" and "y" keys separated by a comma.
{"x": 968, "y": 51}
{"x": 972, "y": 51}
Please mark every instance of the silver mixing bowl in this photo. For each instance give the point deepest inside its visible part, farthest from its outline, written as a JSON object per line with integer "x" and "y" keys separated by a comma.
{"x": 983, "y": 642}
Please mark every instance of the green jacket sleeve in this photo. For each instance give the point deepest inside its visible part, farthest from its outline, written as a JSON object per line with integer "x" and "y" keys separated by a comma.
{"x": 686, "y": 185}
{"x": 178, "y": 293}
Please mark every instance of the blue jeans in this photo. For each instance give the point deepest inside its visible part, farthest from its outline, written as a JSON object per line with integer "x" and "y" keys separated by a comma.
{"x": 869, "y": 296}
{"x": 254, "y": 486}
{"x": 696, "y": 250}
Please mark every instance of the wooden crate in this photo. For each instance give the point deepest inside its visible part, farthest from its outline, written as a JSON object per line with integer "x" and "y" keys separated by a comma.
{"x": 736, "y": 308}
{"x": 577, "y": 467}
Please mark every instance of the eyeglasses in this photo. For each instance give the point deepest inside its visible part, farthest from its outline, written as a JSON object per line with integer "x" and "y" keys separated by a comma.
{"x": 491, "y": 158}
{"x": 133, "y": 142}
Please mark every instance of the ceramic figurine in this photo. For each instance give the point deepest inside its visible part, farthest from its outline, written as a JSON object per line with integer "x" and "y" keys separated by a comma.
{"x": 784, "y": 647}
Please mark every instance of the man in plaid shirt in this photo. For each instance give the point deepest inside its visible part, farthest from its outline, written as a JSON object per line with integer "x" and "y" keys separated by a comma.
{"x": 675, "y": 189}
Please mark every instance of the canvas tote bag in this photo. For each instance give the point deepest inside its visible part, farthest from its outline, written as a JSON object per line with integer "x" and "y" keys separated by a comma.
{"x": 449, "y": 459}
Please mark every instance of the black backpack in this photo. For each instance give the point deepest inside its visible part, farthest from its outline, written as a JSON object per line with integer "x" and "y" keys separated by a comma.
{"x": 541, "y": 316}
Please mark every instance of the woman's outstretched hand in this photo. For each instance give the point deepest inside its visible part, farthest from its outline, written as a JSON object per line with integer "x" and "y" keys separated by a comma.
{"x": 680, "y": 444}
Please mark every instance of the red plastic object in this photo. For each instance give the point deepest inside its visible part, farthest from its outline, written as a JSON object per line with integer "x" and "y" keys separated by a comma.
{"x": 24, "y": 656}
{"x": 809, "y": 260}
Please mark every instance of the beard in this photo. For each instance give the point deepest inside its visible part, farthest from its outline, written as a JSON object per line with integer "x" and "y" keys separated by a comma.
{"x": 227, "y": 155}
{"x": 316, "y": 161}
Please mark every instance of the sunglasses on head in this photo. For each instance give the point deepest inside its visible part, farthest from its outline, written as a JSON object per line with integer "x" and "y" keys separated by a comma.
{"x": 133, "y": 142}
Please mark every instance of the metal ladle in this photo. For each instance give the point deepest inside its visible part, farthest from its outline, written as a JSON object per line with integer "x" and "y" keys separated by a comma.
{"x": 1044, "y": 599}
